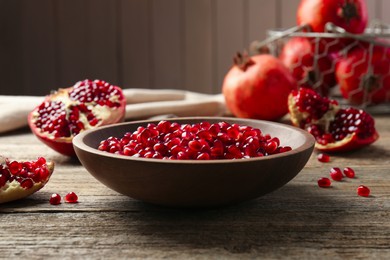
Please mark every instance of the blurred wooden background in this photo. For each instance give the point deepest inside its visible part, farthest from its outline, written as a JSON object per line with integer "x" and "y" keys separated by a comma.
{"x": 178, "y": 44}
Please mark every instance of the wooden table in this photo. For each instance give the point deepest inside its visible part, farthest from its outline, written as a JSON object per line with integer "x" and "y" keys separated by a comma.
{"x": 298, "y": 221}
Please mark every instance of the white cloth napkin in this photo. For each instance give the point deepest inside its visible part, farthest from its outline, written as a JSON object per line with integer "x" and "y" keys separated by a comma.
{"x": 141, "y": 103}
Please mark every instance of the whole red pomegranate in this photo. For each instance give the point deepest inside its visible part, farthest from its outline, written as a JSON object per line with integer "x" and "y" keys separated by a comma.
{"x": 310, "y": 64}
{"x": 257, "y": 87}
{"x": 66, "y": 112}
{"x": 21, "y": 179}
{"x": 364, "y": 75}
{"x": 352, "y": 15}
{"x": 335, "y": 129}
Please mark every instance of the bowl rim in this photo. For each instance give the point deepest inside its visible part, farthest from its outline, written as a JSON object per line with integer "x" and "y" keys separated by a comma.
{"x": 78, "y": 141}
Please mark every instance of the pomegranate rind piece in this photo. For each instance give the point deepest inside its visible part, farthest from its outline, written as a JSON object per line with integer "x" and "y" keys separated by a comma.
{"x": 349, "y": 143}
{"x": 64, "y": 145}
{"x": 304, "y": 119}
{"x": 12, "y": 191}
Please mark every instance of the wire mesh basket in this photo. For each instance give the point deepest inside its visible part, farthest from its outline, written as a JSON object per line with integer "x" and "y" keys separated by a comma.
{"x": 351, "y": 68}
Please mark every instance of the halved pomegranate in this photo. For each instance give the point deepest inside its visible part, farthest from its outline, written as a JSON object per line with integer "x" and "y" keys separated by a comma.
{"x": 66, "y": 112}
{"x": 335, "y": 129}
{"x": 21, "y": 179}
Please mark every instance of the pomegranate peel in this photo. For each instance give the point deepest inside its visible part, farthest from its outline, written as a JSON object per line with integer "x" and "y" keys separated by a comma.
{"x": 68, "y": 111}
{"x": 336, "y": 129}
{"x": 25, "y": 181}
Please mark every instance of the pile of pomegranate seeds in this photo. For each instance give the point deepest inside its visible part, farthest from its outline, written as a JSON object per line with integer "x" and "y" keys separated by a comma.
{"x": 26, "y": 173}
{"x": 200, "y": 141}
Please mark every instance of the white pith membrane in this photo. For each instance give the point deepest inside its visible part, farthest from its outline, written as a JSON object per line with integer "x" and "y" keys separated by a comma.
{"x": 105, "y": 114}
{"x": 13, "y": 190}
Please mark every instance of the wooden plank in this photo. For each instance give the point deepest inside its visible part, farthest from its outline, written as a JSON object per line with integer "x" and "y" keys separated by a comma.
{"x": 371, "y": 6}
{"x": 87, "y": 41}
{"x": 11, "y": 48}
{"x": 288, "y": 13}
{"x": 167, "y": 44}
{"x": 385, "y": 17}
{"x": 198, "y": 43}
{"x": 102, "y": 40}
{"x": 230, "y": 36}
{"x": 135, "y": 30}
{"x": 262, "y": 17}
{"x": 73, "y": 41}
{"x": 39, "y": 45}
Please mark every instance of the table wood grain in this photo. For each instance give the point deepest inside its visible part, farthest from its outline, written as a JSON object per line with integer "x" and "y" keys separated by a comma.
{"x": 298, "y": 221}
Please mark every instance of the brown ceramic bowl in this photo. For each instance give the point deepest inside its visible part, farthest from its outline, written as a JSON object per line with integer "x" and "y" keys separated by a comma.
{"x": 191, "y": 183}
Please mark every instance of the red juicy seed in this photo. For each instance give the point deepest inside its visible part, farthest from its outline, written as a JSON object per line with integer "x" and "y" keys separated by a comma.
{"x": 203, "y": 156}
{"x": 235, "y": 151}
{"x": 205, "y": 125}
{"x": 204, "y": 134}
{"x": 94, "y": 121}
{"x": 336, "y": 174}
{"x": 271, "y": 146}
{"x": 233, "y": 132}
{"x": 285, "y": 149}
{"x": 195, "y": 145}
{"x": 322, "y": 157}
{"x": 55, "y": 199}
{"x": 163, "y": 126}
{"x": 43, "y": 174}
{"x": 214, "y": 130}
{"x": 349, "y": 172}
{"x": 129, "y": 151}
{"x": 15, "y": 167}
{"x": 161, "y": 148}
{"x": 363, "y": 191}
{"x": 324, "y": 182}
{"x": 3, "y": 180}
{"x": 27, "y": 183}
{"x": 71, "y": 197}
{"x": 41, "y": 161}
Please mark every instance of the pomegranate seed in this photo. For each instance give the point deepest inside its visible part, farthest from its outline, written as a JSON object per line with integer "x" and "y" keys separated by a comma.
{"x": 324, "y": 182}
{"x": 71, "y": 197}
{"x": 27, "y": 183}
{"x": 363, "y": 191}
{"x": 15, "y": 167}
{"x": 349, "y": 172}
{"x": 336, "y": 174}
{"x": 55, "y": 199}
{"x": 322, "y": 157}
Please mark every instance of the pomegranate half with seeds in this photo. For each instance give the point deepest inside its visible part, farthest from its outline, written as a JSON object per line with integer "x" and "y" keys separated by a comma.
{"x": 335, "y": 129}
{"x": 66, "y": 112}
{"x": 21, "y": 179}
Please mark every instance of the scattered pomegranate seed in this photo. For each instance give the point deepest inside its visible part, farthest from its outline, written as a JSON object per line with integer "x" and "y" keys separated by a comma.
{"x": 336, "y": 174}
{"x": 363, "y": 191}
{"x": 349, "y": 172}
{"x": 71, "y": 197}
{"x": 55, "y": 199}
{"x": 324, "y": 182}
{"x": 201, "y": 141}
{"x": 322, "y": 157}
